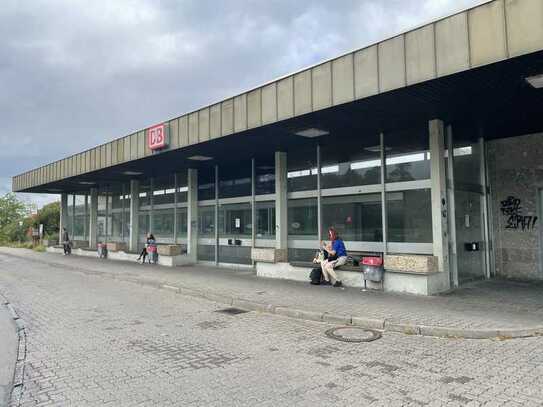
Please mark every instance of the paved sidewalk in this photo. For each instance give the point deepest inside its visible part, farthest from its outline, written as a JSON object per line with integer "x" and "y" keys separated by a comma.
{"x": 479, "y": 310}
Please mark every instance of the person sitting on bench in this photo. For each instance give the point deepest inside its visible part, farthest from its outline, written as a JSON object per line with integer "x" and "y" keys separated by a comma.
{"x": 337, "y": 256}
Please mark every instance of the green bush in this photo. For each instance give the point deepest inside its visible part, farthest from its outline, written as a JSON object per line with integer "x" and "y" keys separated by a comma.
{"x": 39, "y": 248}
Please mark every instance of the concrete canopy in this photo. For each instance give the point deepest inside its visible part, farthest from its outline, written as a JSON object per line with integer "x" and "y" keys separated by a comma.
{"x": 468, "y": 67}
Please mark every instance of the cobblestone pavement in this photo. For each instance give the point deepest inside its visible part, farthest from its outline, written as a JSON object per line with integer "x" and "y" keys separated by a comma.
{"x": 95, "y": 341}
{"x": 480, "y": 305}
{"x": 8, "y": 353}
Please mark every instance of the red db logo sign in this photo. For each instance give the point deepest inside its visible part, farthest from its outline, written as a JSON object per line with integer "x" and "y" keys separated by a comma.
{"x": 156, "y": 137}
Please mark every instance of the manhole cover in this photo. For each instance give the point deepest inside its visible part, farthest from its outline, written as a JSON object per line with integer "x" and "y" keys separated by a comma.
{"x": 232, "y": 311}
{"x": 353, "y": 334}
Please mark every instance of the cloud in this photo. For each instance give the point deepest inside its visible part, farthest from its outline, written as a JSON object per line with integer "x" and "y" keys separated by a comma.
{"x": 76, "y": 73}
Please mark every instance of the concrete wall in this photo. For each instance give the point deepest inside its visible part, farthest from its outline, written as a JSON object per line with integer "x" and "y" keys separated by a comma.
{"x": 516, "y": 176}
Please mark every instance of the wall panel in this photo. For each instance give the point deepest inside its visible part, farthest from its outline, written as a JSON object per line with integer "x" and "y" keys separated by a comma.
{"x": 452, "y": 44}
{"x": 240, "y": 113}
{"x": 321, "y": 79}
{"x": 215, "y": 121}
{"x": 285, "y": 98}
{"x": 343, "y": 79}
{"x": 193, "y": 128}
{"x": 254, "y": 108}
{"x": 227, "y": 117}
{"x": 420, "y": 55}
{"x": 173, "y": 128}
{"x": 392, "y": 64}
{"x": 524, "y": 26}
{"x": 366, "y": 72}
{"x": 302, "y": 93}
{"x": 183, "y": 131}
{"x": 269, "y": 103}
{"x": 487, "y": 33}
{"x": 203, "y": 125}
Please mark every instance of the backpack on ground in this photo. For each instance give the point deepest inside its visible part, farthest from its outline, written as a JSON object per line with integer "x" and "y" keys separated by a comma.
{"x": 315, "y": 276}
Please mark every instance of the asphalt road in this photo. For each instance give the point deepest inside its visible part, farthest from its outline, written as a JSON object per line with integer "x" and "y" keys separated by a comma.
{"x": 95, "y": 341}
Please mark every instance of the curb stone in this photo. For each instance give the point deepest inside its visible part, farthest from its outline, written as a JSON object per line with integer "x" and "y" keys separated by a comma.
{"x": 17, "y": 381}
{"x": 369, "y": 323}
{"x": 407, "y": 329}
{"x": 299, "y": 314}
{"x": 337, "y": 318}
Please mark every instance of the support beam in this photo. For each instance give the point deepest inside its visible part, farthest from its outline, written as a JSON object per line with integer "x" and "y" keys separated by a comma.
{"x": 281, "y": 201}
{"x": 134, "y": 215}
{"x": 93, "y": 218}
{"x": 192, "y": 214}
{"x": 453, "y": 259}
{"x": 439, "y": 195}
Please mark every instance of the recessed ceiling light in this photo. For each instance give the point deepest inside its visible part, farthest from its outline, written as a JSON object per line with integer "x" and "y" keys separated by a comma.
{"x": 312, "y": 133}
{"x": 132, "y": 173}
{"x": 536, "y": 81}
{"x": 87, "y": 182}
{"x": 200, "y": 158}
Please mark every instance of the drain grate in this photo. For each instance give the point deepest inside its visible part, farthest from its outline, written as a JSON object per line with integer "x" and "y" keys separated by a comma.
{"x": 353, "y": 334}
{"x": 232, "y": 311}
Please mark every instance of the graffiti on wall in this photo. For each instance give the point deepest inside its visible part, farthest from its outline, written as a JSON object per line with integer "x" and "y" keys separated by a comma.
{"x": 512, "y": 210}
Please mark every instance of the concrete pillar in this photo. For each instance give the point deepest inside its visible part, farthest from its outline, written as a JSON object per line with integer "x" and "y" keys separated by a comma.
{"x": 134, "y": 215}
{"x": 63, "y": 216}
{"x": 281, "y": 201}
{"x": 93, "y": 217}
{"x": 192, "y": 214}
{"x": 439, "y": 195}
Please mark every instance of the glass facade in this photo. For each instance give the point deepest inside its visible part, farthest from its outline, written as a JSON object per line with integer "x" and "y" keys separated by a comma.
{"x": 206, "y": 184}
{"x": 351, "y": 199}
{"x": 265, "y": 176}
{"x": 407, "y": 155}
{"x": 235, "y": 181}
{"x": 302, "y": 219}
{"x": 355, "y": 217}
{"x": 350, "y": 165}
{"x": 235, "y": 220}
{"x": 409, "y": 216}
{"x": 302, "y": 169}
{"x": 265, "y": 220}
{"x": 206, "y": 221}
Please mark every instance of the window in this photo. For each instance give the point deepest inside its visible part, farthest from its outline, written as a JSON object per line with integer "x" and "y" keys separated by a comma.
{"x": 80, "y": 217}
{"x": 265, "y": 224}
{"x": 163, "y": 222}
{"x": 349, "y": 164}
{"x": 265, "y": 176}
{"x": 235, "y": 220}
{"x": 355, "y": 217}
{"x": 407, "y": 155}
{"x": 302, "y": 219}
{"x": 206, "y": 221}
{"x": 206, "y": 184}
{"x": 302, "y": 169}
{"x": 164, "y": 190}
{"x": 182, "y": 223}
{"x": 235, "y": 181}
{"x": 409, "y": 216}
{"x": 182, "y": 187}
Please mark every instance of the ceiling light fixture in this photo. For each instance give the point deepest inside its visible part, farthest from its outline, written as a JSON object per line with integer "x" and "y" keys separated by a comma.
{"x": 132, "y": 173}
{"x": 536, "y": 81}
{"x": 312, "y": 133}
{"x": 200, "y": 158}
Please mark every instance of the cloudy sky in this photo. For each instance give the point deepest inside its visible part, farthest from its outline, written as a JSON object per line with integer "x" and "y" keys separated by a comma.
{"x": 77, "y": 73}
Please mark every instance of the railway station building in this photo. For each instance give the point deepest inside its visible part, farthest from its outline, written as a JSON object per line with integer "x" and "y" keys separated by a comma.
{"x": 427, "y": 147}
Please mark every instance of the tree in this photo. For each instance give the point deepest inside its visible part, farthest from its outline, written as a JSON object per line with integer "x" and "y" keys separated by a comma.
{"x": 49, "y": 216}
{"x": 12, "y": 213}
